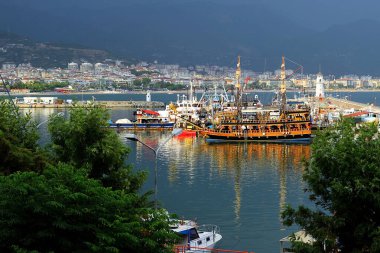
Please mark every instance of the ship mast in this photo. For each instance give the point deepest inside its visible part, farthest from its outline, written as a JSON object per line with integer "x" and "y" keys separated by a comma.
{"x": 238, "y": 89}
{"x": 283, "y": 86}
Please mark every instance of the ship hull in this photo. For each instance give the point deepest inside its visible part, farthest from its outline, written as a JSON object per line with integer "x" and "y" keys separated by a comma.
{"x": 299, "y": 137}
{"x": 295, "y": 139}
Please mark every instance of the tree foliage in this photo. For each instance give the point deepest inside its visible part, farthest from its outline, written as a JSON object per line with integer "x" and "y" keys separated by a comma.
{"x": 343, "y": 177}
{"x": 62, "y": 210}
{"x": 169, "y": 86}
{"x": 19, "y": 148}
{"x": 39, "y": 86}
{"x": 84, "y": 200}
{"x": 85, "y": 141}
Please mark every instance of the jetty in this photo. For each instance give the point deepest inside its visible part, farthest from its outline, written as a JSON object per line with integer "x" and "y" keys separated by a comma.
{"x": 106, "y": 104}
{"x": 347, "y": 104}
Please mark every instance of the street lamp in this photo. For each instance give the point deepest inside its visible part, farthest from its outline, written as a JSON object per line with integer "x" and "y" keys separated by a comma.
{"x": 56, "y": 115}
{"x": 133, "y": 137}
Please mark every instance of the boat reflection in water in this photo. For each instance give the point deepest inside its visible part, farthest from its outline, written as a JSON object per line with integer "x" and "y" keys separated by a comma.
{"x": 241, "y": 187}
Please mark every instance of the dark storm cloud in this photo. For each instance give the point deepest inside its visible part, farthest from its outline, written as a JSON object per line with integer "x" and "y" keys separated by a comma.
{"x": 339, "y": 34}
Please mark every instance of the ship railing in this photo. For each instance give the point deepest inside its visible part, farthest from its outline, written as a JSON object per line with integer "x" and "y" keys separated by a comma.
{"x": 265, "y": 121}
{"x": 214, "y": 229}
{"x": 188, "y": 249}
{"x": 262, "y": 131}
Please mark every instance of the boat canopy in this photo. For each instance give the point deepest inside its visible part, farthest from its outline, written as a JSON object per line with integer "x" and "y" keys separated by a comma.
{"x": 150, "y": 112}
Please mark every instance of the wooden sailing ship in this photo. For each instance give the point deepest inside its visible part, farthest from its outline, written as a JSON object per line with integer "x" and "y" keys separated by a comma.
{"x": 279, "y": 123}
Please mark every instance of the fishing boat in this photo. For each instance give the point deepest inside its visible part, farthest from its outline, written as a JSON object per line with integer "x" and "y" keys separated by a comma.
{"x": 279, "y": 123}
{"x": 145, "y": 120}
{"x": 196, "y": 238}
{"x": 187, "y": 111}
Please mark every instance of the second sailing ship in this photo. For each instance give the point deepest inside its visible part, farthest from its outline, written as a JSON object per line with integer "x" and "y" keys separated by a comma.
{"x": 279, "y": 123}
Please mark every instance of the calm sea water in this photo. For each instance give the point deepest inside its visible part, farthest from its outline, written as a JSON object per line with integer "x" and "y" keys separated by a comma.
{"x": 242, "y": 188}
{"x": 265, "y": 97}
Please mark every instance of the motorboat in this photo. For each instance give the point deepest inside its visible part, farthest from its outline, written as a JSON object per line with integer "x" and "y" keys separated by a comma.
{"x": 196, "y": 238}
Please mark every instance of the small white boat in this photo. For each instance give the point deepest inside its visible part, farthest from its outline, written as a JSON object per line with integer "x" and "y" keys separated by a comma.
{"x": 196, "y": 238}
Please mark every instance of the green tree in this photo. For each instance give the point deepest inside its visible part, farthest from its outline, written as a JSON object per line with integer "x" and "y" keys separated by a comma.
{"x": 137, "y": 83}
{"x": 40, "y": 86}
{"x": 62, "y": 210}
{"x": 343, "y": 178}
{"x": 85, "y": 141}
{"x": 145, "y": 81}
{"x": 66, "y": 207}
{"x": 19, "y": 148}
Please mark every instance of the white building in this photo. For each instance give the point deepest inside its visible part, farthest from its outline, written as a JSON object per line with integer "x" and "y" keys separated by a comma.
{"x": 73, "y": 66}
{"x": 148, "y": 96}
{"x": 319, "y": 89}
{"x": 48, "y": 100}
{"x": 86, "y": 67}
{"x": 9, "y": 66}
{"x": 40, "y": 100}
{"x": 100, "y": 67}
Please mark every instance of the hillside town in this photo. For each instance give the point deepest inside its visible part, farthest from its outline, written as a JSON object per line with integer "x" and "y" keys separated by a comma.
{"x": 114, "y": 75}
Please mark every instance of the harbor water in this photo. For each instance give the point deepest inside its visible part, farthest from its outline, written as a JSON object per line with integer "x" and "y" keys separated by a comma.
{"x": 241, "y": 187}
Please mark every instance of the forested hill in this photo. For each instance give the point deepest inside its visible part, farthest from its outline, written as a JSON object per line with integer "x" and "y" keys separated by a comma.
{"x": 18, "y": 49}
{"x": 190, "y": 32}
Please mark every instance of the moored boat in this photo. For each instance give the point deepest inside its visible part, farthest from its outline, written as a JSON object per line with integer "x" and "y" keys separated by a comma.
{"x": 195, "y": 237}
{"x": 187, "y": 134}
{"x": 187, "y": 111}
{"x": 282, "y": 123}
{"x": 145, "y": 119}
{"x": 293, "y": 126}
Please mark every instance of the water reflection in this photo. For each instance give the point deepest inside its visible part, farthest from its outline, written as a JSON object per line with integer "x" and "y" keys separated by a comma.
{"x": 240, "y": 187}
{"x": 246, "y": 159}
{"x": 187, "y": 158}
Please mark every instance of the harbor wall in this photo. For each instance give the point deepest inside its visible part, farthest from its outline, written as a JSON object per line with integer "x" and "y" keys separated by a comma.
{"x": 107, "y": 104}
{"x": 347, "y": 104}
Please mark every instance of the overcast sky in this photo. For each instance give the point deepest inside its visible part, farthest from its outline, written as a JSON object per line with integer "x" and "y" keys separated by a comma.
{"x": 315, "y": 14}
{"x": 210, "y": 31}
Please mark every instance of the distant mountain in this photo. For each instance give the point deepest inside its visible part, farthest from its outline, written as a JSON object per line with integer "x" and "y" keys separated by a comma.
{"x": 341, "y": 49}
{"x": 192, "y": 32}
{"x": 18, "y": 49}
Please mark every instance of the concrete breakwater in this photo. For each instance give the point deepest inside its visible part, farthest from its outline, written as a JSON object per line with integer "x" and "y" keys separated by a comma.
{"x": 107, "y": 104}
{"x": 347, "y": 104}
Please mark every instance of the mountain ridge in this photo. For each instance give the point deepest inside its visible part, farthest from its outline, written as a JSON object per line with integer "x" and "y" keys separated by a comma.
{"x": 200, "y": 32}
{"x": 18, "y": 49}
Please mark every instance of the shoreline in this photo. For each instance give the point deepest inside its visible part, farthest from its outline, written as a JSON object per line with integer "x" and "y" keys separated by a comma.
{"x": 2, "y": 94}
